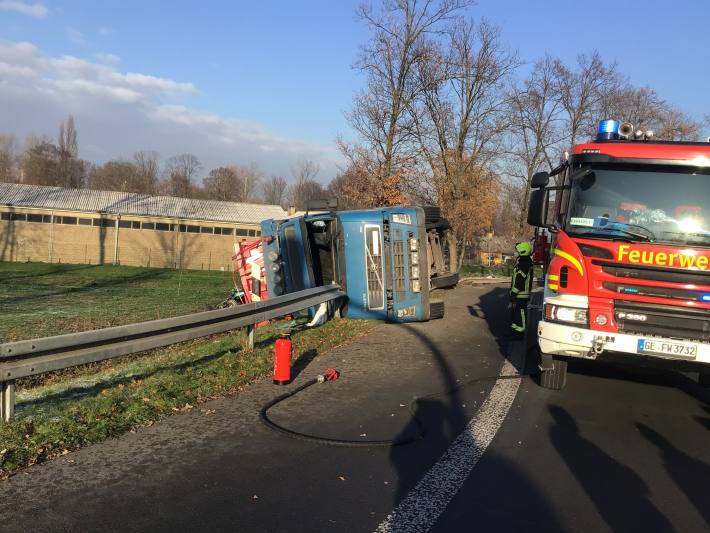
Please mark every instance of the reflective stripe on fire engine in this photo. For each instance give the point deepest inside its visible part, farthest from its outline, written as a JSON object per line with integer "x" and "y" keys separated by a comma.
{"x": 568, "y": 257}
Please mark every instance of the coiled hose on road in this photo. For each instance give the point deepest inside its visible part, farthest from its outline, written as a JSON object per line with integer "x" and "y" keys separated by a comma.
{"x": 332, "y": 375}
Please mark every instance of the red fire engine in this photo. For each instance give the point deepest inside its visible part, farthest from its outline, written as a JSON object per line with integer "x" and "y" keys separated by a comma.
{"x": 627, "y": 273}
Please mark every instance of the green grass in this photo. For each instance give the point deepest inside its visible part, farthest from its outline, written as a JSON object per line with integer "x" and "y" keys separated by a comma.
{"x": 63, "y": 411}
{"x": 54, "y": 419}
{"x": 41, "y": 299}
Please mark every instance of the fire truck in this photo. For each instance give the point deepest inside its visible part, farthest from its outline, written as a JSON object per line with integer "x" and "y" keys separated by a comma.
{"x": 627, "y": 274}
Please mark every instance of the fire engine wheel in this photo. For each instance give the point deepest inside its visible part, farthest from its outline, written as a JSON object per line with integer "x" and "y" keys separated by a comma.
{"x": 436, "y": 309}
{"x": 704, "y": 379}
{"x": 556, "y": 377}
{"x": 445, "y": 281}
{"x": 432, "y": 213}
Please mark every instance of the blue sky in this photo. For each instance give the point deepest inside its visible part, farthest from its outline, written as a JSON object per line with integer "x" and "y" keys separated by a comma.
{"x": 268, "y": 82}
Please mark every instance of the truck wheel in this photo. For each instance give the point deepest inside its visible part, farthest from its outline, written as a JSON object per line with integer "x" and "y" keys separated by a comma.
{"x": 445, "y": 281}
{"x": 432, "y": 213}
{"x": 704, "y": 379}
{"x": 436, "y": 309}
{"x": 556, "y": 377}
{"x": 440, "y": 225}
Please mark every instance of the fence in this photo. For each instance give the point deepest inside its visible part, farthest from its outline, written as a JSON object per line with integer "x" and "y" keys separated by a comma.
{"x": 38, "y": 356}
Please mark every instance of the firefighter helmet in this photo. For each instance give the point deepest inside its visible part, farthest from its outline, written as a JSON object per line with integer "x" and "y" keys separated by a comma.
{"x": 524, "y": 248}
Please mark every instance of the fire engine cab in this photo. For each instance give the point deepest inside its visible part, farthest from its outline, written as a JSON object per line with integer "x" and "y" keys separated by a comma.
{"x": 628, "y": 266}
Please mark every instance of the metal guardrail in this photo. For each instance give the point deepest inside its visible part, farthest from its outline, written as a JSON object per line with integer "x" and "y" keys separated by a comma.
{"x": 38, "y": 356}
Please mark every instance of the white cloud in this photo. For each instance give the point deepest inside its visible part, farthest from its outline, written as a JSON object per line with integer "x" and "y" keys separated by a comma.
{"x": 118, "y": 113}
{"x": 75, "y": 35}
{"x": 108, "y": 58}
{"x": 104, "y": 30}
{"x": 33, "y": 10}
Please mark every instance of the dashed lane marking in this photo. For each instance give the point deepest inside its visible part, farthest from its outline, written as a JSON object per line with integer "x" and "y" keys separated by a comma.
{"x": 421, "y": 508}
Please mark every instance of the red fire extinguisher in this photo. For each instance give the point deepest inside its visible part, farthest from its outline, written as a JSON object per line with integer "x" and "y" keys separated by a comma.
{"x": 282, "y": 360}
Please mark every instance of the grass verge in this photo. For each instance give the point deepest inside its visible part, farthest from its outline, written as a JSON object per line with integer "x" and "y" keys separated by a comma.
{"x": 59, "y": 417}
{"x": 41, "y": 299}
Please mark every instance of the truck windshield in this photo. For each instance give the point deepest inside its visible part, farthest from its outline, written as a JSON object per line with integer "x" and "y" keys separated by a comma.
{"x": 641, "y": 205}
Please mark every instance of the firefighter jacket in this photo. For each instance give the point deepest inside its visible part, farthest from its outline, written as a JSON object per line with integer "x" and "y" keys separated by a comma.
{"x": 521, "y": 281}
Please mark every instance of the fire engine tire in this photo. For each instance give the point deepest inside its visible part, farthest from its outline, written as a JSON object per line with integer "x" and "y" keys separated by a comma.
{"x": 445, "y": 281}
{"x": 704, "y": 379}
{"x": 556, "y": 377}
{"x": 432, "y": 213}
{"x": 436, "y": 309}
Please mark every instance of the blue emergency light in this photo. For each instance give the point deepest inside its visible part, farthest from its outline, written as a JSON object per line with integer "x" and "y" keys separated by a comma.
{"x": 706, "y": 298}
{"x": 608, "y": 130}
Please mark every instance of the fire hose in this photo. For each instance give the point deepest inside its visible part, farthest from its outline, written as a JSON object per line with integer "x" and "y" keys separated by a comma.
{"x": 331, "y": 375}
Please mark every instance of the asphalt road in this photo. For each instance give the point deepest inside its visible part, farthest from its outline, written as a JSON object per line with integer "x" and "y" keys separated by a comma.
{"x": 616, "y": 450}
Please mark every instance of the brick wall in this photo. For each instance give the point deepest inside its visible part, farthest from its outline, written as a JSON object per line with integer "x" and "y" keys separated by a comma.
{"x": 43, "y": 237}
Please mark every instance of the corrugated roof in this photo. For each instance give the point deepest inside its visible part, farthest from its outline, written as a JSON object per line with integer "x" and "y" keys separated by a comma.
{"x": 122, "y": 203}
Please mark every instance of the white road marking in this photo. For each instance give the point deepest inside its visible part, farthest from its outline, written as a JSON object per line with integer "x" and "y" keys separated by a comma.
{"x": 422, "y": 507}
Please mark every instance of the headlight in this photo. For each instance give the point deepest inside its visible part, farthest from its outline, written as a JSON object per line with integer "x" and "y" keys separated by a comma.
{"x": 413, "y": 245}
{"x": 415, "y": 271}
{"x": 416, "y": 286}
{"x": 273, "y": 256}
{"x": 414, "y": 258}
{"x": 571, "y": 315}
{"x": 275, "y": 267}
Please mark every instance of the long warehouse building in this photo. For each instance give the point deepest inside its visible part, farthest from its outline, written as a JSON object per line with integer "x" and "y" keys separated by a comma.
{"x": 58, "y": 225}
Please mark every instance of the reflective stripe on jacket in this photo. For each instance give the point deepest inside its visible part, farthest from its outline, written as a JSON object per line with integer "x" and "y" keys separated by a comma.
{"x": 521, "y": 281}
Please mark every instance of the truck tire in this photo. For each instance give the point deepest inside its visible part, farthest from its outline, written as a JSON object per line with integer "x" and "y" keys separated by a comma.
{"x": 556, "y": 377}
{"x": 436, "y": 309}
{"x": 704, "y": 379}
{"x": 445, "y": 281}
{"x": 440, "y": 225}
{"x": 432, "y": 213}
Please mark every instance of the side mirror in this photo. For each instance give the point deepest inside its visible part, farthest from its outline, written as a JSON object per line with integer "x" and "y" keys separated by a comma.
{"x": 540, "y": 180}
{"x": 537, "y": 208}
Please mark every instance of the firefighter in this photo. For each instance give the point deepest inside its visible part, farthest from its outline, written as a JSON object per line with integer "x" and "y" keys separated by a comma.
{"x": 520, "y": 285}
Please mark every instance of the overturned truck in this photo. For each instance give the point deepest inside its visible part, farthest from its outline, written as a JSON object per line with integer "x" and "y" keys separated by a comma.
{"x": 388, "y": 259}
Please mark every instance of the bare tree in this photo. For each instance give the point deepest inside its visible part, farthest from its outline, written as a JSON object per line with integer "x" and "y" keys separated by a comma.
{"x": 304, "y": 186}
{"x": 534, "y": 117}
{"x": 250, "y": 177}
{"x": 116, "y": 175}
{"x": 39, "y": 161}
{"x": 582, "y": 91}
{"x": 273, "y": 190}
{"x": 147, "y": 171}
{"x": 181, "y": 170}
{"x": 646, "y": 110}
{"x": 8, "y": 158}
{"x": 70, "y": 171}
{"x": 460, "y": 120}
{"x": 223, "y": 183}
{"x": 381, "y": 113}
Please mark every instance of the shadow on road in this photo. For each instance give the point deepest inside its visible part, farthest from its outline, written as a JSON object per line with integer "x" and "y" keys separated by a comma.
{"x": 689, "y": 474}
{"x": 619, "y": 494}
{"x": 444, "y": 418}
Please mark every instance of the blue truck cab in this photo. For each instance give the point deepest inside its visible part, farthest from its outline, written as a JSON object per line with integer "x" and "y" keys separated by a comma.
{"x": 379, "y": 256}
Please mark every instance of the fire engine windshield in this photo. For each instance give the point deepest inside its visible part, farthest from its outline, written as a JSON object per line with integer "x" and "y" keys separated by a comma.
{"x": 640, "y": 205}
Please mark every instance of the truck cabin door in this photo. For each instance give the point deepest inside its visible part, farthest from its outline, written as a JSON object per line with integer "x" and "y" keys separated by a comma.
{"x": 295, "y": 247}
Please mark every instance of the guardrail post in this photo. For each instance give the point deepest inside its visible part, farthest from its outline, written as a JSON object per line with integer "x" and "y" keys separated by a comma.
{"x": 250, "y": 337}
{"x": 7, "y": 400}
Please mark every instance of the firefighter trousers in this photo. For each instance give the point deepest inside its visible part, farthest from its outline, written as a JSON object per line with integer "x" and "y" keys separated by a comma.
{"x": 518, "y": 316}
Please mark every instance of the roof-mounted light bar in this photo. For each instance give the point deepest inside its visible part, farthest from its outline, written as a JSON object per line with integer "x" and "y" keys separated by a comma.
{"x": 611, "y": 130}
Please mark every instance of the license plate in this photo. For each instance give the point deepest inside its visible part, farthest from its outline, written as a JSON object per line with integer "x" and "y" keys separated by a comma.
{"x": 681, "y": 350}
